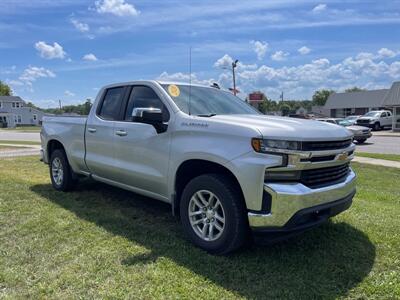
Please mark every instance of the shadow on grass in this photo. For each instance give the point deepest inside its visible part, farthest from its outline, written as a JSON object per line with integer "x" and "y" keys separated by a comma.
{"x": 325, "y": 262}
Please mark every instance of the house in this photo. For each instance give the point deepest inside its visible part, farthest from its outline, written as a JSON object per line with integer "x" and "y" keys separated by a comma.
{"x": 320, "y": 111}
{"x": 354, "y": 103}
{"x": 392, "y": 102}
{"x": 14, "y": 112}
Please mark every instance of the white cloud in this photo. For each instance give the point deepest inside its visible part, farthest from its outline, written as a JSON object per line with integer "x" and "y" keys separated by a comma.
{"x": 319, "y": 8}
{"x": 304, "y": 50}
{"x": 116, "y": 7}
{"x": 183, "y": 77}
{"x": 89, "y": 57}
{"x": 50, "y": 52}
{"x": 69, "y": 93}
{"x": 260, "y": 48}
{"x": 299, "y": 82}
{"x": 224, "y": 62}
{"x": 82, "y": 27}
{"x": 30, "y": 74}
{"x": 279, "y": 55}
{"x": 386, "y": 53}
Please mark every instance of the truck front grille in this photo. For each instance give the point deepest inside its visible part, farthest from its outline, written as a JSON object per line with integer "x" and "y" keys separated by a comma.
{"x": 325, "y": 145}
{"x": 315, "y": 178}
{"x": 363, "y": 122}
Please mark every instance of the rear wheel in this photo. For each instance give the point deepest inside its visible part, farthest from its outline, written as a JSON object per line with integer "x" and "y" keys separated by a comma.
{"x": 213, "y": 214}
{"x": 60, "y": 171}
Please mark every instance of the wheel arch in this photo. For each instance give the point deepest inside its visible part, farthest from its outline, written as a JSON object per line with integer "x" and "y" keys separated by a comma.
{"x": 192, "y": 168}
{"x": 52, "y": 145}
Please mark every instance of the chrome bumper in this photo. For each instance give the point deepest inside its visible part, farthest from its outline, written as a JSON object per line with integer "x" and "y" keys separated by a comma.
{"x": 289, "y": 198}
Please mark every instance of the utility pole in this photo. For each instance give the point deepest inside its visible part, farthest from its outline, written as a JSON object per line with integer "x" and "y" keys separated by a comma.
{"x": 59, "y": 103}
{"x": 281, "y": 96}
{"x": 234, "y": 65}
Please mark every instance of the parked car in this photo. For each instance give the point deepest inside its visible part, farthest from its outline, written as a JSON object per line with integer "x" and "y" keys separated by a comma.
{"x": 224, "y": 167}
{"x": 352, "y": 119}
{"x": 360, "y": 133}
{"x": 376, "y": 119}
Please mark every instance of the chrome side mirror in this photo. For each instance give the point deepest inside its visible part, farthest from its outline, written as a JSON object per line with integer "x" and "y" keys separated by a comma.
{"x": 147, "y": 115}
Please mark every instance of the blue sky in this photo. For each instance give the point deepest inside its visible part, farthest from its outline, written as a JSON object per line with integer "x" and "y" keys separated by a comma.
{"x": 68, "y": 49}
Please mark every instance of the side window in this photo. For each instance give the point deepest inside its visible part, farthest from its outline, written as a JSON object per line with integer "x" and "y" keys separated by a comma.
{"x": 144, "y": 97}
{"x": 383, "y": 115}
{"x": 389, "y": 114}
{"x": 111, "y": 104}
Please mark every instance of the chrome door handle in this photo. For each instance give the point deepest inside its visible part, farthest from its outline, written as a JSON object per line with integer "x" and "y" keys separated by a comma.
{"x": 121, "y": 133}
{"x": 92, "y": 130}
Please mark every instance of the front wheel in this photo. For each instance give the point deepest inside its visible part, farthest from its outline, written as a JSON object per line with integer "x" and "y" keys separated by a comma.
{"x": 361, "y": 141}
{"x": 60, "y": 171}
{"x": 213, "y": 214}
{"x": 377, "y": 126}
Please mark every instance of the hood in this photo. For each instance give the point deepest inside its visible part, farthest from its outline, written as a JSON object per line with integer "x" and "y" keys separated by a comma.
{"x": 367, "y": 118}
{"x": 285, "y": 128}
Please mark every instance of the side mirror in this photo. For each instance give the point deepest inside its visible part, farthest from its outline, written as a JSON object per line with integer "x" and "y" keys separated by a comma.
{"x": 147, "y": 115}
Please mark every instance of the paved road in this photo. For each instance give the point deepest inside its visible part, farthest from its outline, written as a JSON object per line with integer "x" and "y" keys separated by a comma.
{"x": 380, "y": 144}
{"x": 19, "y": 136}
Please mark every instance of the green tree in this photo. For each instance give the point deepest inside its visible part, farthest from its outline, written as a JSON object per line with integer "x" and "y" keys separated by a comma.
{"x": 319, "y": 98}
{"x": 5, "y": 90}
{"x": 285, "y": 109}
{"x": 354, "y": 89}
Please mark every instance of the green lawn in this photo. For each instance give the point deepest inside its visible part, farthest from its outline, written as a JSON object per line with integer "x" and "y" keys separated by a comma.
{"x": 24, "y": 129}
{"x": 102, "y": 242}
{"x": 19, "y": 142}
{"x": 394, "y": 157}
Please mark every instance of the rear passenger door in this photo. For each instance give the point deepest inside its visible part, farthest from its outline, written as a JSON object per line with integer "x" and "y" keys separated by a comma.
{"x": 100, "y": 149}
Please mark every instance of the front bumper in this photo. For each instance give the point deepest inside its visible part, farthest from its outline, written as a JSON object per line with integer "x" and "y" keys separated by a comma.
{"x": 291, "y": 198}
{"x": 362, "y": 136}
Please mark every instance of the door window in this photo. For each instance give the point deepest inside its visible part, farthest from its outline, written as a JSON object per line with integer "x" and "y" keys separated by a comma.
{"x": 145, "y": 97}
{"x": 383, "y": 115}
{"x": 111, "y": 105}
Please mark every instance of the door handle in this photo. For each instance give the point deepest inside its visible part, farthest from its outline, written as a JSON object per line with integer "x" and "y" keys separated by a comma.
{"x": 92, "y": 130}
{"x": 121, "y": 133}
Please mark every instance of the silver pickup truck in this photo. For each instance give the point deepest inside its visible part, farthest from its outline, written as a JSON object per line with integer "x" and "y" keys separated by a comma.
{"x": 229, "y": 172}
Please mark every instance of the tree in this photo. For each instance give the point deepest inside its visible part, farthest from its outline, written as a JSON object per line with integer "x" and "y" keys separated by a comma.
{"x": 354, "y": 89}
{"x": 319, "y": 98}
{"x": 285, "y": 109}
{"x": 5, "y": 90}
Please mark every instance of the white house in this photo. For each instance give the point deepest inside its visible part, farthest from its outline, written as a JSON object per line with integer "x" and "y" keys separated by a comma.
{"x": 14, "y": 112}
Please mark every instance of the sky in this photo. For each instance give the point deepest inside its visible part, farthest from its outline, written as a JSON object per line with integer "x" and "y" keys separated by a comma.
{"x": 67, "y": 49}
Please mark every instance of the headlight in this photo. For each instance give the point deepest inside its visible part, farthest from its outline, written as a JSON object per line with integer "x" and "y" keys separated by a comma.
{"x": 359, "y": 132}
{"x": 372, "y": 120}
{"x": 261, "y": 145}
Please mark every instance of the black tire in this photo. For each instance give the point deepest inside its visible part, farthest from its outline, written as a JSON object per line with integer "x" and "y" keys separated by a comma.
{"x": 377, "y": 126}
{"x": 236, "y": 229}
{"x": 67, "y": 182}
{"x": 361, "y": 141}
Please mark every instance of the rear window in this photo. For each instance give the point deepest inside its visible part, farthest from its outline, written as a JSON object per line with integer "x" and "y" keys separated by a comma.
{"x": 111, "y": 105}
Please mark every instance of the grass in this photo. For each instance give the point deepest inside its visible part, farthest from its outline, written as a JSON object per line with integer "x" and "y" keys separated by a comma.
{"x": 19, "y": 142}
{"x": 24, "y": 129}
{"x": 102, "y": 242}
{"x": 394, "y": 157}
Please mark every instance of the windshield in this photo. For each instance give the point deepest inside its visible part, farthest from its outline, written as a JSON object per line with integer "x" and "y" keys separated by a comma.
{"x": 207, "y": 101}
{"x": 345, "y": 123}
{"x": 372, "y": 114}
{"x": 350, "y": 118}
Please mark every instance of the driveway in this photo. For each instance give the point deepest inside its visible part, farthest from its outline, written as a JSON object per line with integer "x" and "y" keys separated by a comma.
{"x": 380, "y": 144}
{"x": 6, "y": 135}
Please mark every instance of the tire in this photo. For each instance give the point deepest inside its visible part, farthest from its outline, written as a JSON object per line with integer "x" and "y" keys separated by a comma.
{"x": 231, "y": 208}
{"x": 377, "y": 126}
{"x": 60, "y": 171}
{"x": 361, "y": 141}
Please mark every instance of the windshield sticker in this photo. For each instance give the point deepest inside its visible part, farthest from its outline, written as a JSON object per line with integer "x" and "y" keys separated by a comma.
{"x": 173, "y": 90}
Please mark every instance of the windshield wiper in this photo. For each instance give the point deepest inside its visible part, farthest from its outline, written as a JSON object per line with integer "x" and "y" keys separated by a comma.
{"x": 207, "y": 115}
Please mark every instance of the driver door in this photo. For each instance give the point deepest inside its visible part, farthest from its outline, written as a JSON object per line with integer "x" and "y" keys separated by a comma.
{"x": 142, "y": 153}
